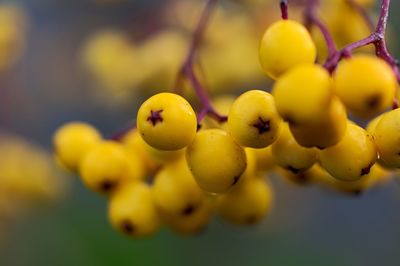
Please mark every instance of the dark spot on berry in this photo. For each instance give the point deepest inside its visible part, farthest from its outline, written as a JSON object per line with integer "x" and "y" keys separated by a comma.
{"x": 302, "y": 178}
{"x": 155, "y": 117}
{"x": 293, "y": 170}
{"x": 128, "y": 227}
{"x": 373, "y": 101}
{"x": 262, "y": 125}
{"x": 107, "y": 186}
{"x": 366, "y": 170}
{"x": 188, "y": 210}
{"x": 252, "y": 219}
{"x": 235, "y": 180}
{"x": 356, "y": 192}
{"x": 320, "y": 148}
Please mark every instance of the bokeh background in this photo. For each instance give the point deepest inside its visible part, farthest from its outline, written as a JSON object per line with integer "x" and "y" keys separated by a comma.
{"x": 48, "y": 87}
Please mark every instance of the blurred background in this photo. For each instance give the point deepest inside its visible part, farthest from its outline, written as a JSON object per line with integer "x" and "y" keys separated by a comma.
{"x": 60, "y": 66}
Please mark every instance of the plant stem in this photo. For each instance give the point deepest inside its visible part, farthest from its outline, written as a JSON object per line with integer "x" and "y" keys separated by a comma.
{"x": 312, "y": 19}
{"x": 187, "y": 70}
{"x": 377, "y": 38}
{"x": 284, "y": 9}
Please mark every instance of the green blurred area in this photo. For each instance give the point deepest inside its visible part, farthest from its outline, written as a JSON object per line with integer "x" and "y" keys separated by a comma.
{"x": 308, "y": 226}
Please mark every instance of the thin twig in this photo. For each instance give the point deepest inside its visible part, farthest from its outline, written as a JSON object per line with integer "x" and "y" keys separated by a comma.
{"x": 187, "y": 70}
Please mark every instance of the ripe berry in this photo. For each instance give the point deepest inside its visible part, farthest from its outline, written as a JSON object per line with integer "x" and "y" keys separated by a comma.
{"x": 166, "y": 121}
{"x": 290, "y": 155}
{"x": 253, "y": 120}
{"x": 132, "y": 211}
{"x": 285, "y": 44}
{"x": 264, "y": 159}
{"x": 325, "y": 133}
{"x": 175, "y": 191}
{"x": 104, "y": 167}
{"x": 72, "y": 141}
{"x": 192, "y": 224}
{"x": 216, "y": 160}
{"x": 247, "y": 203}
{"x": 303, "y": 95}
{"x": 353, "y": 157}
{"x": 386, "y": 134}
{"x": 366, "y": 84}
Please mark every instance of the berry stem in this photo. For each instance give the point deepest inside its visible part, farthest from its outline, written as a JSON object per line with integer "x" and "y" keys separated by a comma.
{"x": 312, "y": 19}
{"x": 284, "y": 9}
{"x": 187, "y": 70}
{"x": 377, "y": 38}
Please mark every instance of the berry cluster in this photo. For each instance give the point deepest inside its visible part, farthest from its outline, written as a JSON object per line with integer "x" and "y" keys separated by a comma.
{"x": 178, "y": 168}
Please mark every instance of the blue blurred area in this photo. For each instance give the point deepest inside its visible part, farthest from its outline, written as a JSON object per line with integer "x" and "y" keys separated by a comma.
{"x": 308, "y": 226}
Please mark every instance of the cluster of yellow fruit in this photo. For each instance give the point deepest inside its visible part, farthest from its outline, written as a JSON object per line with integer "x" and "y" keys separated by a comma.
{"x": 148, "y": 187}
{"x": 177, "y": 169}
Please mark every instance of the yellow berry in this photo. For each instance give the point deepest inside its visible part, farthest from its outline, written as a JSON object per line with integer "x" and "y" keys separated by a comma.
{"x": 216, "y": 160}
{"x": 135, "y": 170}
{"x": 72, "y": 141}
{"x": 166, "y": 121}
{"x": 134, "y": 142}
{"x": 371, "y": 126}
{"x": 285, "y": 44}
{"x": 192, "y": 224}
{"x": 386, "y": 134}
{"x": 132, "y": 211}
{"x": 366, "y": 84}
{"x": 303, "y": 94}
{"x": 247, "y": 203}
{"x": 290, "y": 155}
{"x": 104, "y": 167}
{"x": 353, "y": 157}
{"x": 325, "y": 133}
{"x": 264, "y": 159}
{"x": 253, "y": 120}
{"x": 175, "y": 191}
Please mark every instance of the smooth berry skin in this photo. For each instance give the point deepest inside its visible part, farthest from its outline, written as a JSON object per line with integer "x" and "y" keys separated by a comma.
{"x": 352, "y": 158}
{"x": 253, "y": 120}
{"x": 326, "y": 133}
{"x": 290, "y": 155}
{"x": 264, "y": 159}
{"x": 216, "y": 160}
{"x": 166, "y": 121}
{"x": 72, "y": 141}
{"x": 247, "y": 203}
{"x": 105, "y": 167}
{"x": 285, "y": 44}
{"x": 132, "y": 210}
{"x": 304, "y": 94}
{"x": 386, "y": 134}
{"x": 366, "y": 84}
{"x": 175, "y": 191}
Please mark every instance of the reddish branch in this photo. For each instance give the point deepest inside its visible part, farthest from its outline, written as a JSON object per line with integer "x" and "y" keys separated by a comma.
{"x": 284, "y": 9}
{"x": 377, "y": 37}
{"x": 187, "y": 70}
